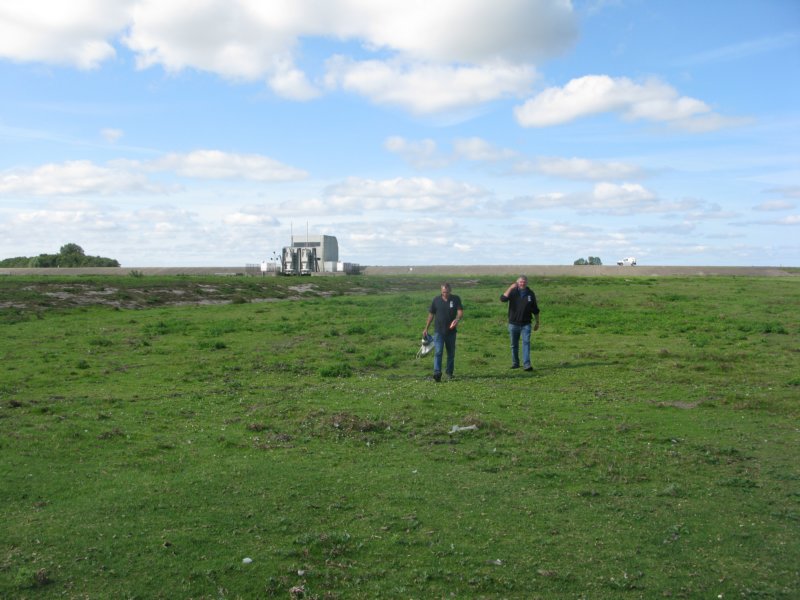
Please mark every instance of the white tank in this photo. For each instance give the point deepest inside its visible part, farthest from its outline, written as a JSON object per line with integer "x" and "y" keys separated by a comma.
{"x": 308, "y": 261}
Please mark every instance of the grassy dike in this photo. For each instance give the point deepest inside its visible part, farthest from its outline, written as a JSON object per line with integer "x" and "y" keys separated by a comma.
{"x": 156, "y": 432}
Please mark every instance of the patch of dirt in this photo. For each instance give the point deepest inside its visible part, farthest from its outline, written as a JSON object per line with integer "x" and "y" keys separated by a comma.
{"x": 681, "y": 405}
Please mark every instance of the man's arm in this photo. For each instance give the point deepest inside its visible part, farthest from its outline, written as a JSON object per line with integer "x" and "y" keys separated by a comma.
{"x": 505, "y": 295}
{"x": 427, "y": 324}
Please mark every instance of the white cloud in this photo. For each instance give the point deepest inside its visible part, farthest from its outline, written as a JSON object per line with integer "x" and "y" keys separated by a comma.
{"x": 215, "y": 35}
{"x": 247, "y": 219}
{"x": 397, "y": 240}
{"x": 213, "y": 164}
{"x": 790, "y": 220}
{"x": 620, "y": 198}
{"x": 596, "y": 94}
{"x": 99, "y": 228}
{"x": 680, "y": 229}
{"x": 87, "y": 219}
{"x": 72, "y": 178}
{"x": 125, "y": 176}
{"x": 709, "y": 212}
{"x": 579, "y": 168}
{"x": 111, "y": 135}
{"x": 287, "y": 81}
{"x": 420, "y": 154}
{"x": 471, "y": 31}
{"x": 425, "y": 153}
{"x": 162, "y": 217}
{"x": 775, "y": 205}
{"x": 624, "y": 199}
{"x": 231, "y": 39}
{"x": 455, "y": 52}
{"x": 425, "y": 88}
{"x": 478, "y": 149}
{"x": 545, "y": 200}
{"x": 78, "y": 33}
{"x": 791, "y": 191}
{"x": 403, "y": 194}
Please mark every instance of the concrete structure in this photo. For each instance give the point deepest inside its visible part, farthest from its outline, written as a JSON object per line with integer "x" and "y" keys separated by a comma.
{"x": 310, "y": 254}
{"x": 327, "y": 246}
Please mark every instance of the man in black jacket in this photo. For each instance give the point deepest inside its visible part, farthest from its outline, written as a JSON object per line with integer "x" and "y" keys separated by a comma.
{"x": 522, "y": 309}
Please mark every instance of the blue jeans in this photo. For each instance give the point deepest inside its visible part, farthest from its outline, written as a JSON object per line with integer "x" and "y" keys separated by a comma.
{"x": 440, "y": 342}
{"x": 515, "y": 331}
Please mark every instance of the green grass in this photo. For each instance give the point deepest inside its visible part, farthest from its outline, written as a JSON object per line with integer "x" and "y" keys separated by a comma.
{"x": 146, "y": 451}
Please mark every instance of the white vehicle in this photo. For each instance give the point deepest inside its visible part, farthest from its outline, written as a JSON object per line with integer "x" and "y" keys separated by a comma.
{"x": 627, "y": 262}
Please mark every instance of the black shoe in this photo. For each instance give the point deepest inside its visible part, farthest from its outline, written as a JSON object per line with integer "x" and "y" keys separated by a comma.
{"x": 515, "y": 366}
{"x": 528, "y": 368}
{"x": 437, "y": 377}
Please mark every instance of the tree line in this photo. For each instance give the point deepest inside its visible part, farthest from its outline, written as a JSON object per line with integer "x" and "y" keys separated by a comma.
{"x": 70, "y": 255}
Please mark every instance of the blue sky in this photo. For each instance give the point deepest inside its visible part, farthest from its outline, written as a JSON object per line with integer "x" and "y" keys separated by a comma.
{"x": 205, "y": 132}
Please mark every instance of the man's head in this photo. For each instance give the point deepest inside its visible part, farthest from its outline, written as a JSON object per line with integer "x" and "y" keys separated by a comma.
{"x": 522, "y": 282}
{"x": 445, "y": 290}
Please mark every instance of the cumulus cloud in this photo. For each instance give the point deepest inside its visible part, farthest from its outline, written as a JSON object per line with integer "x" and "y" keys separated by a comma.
{"x": 774, "y": 205}
{"x": 424, "y": 88}
{"x": 214, "y": 164}
{"x": 579, "y": 168}
{"x": 680, "y": 229}
{"x": 78, "y": 34}
{"x": 651, "y": 100}
{"x": 83, "y": 177}
{"x": 619, "y": 199}
{"x": 88, "y": 219}
{"x": 397, "y": 239}
{"x": 458, "y": 52}
{"x": 249, "y": 219}
{"x": 72, "y": 178}
{"x": 471, "y": 31}
{"x": 478, "y": 149}
{"x": 709, "y": 212}
{"x": 420, "y": 154}
{"x": 403, "y": 194}
{"x": 102, "y": 225}
{"x": 287, "y": 81}
{"x": 253, "y": 32}
{"x": 425, "y": 153}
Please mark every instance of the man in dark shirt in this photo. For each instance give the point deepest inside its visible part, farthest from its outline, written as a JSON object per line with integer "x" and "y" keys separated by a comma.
{"x": 521, "y": 307}
{"x": 447, "y": 311}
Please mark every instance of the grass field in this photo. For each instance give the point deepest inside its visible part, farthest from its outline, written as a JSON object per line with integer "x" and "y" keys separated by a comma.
{"x": 156, "y": 432}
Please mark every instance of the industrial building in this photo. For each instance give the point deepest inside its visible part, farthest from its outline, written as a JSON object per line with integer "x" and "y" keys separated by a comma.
{"x": 313, "y": 254}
